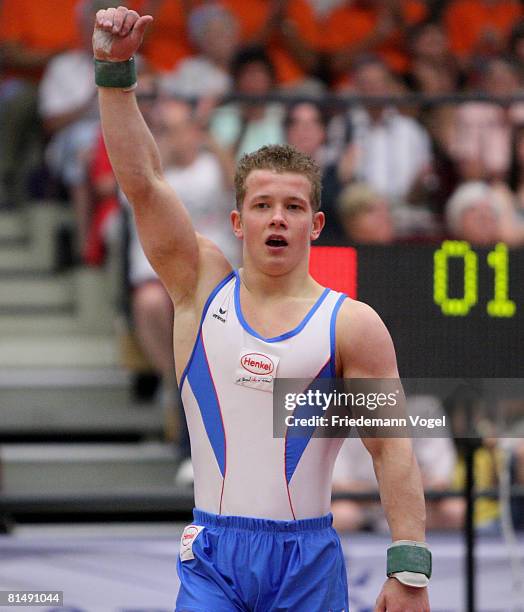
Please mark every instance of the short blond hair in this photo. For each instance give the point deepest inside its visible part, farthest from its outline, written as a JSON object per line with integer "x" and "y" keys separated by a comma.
{"x": 355, "y": 198}
{"x": 279, "y": 158}
{"x": 468, "y": 195}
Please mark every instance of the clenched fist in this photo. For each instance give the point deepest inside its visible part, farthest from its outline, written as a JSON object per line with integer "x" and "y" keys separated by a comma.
{"x": 118, "y": 33}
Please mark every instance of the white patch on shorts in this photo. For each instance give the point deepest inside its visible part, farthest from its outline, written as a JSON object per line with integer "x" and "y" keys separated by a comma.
{"x": 187, "y": 540}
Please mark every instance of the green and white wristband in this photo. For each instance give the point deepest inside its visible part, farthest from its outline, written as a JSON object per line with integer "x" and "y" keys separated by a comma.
{"x": 118, "y": 75}
{"x": 409, "y": 562}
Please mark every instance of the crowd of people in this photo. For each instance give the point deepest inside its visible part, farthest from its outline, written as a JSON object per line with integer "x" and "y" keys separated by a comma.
{"x": 220, "y": 78}
{"x": 392, "y": 171}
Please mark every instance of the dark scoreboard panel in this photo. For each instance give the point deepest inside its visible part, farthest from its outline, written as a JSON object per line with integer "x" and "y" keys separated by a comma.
{"x": 453, "y": 310}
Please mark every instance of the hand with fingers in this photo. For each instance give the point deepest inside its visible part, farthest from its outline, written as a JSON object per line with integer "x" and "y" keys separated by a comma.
{"x": 118, "y": 33}
{"x": 396, "y": 597}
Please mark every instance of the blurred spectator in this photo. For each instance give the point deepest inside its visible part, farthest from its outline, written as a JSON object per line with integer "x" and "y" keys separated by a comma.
{"x": 511, "y": 219}
{"x": 481, "y": 139}
{"x": 370, "y": 26}
{"x": 166, "y": 42}
{"x": 471, "y": 214}
{"x": 30, "y": 37}
{"x": 305, "y": 126}
{"x": 103, "y": 204}
{"x": 365, "y": 217}
{"x": 482, "y": 215}
{"x": 391, "y": 152}
{"x": 434, "y": 72}
{"x": 480, "y": 27}
{"x": 69, "y": 110}
{"x": 510, "y": 193}
{"x": 486, "y": 513}
{"x": 516, "y": 43}
{"x": 433, "y": 68}
{"x": 354, "y": 473}
{"x": 213, "y": 30}
{"x": 28, "y": 40}
{"x": 290, "y": 31}
{"x": 245, "y": 126}
{"x": 518, "y": 479}
{"x": 428, "y": 42}
{"x": 322, "y": 38}
{"x": 516, "y": 172}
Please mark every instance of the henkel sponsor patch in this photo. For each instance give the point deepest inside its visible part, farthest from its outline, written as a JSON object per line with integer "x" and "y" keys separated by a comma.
{"x": 256, "y": 370}
{"x": 187, "y": 540}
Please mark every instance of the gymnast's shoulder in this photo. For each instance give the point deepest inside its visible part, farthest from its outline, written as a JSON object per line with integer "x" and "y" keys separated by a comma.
{"x": 364, "y": 347}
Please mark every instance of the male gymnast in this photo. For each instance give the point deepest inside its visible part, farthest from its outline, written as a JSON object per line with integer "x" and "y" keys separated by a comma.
{"x": 261, "y": 539}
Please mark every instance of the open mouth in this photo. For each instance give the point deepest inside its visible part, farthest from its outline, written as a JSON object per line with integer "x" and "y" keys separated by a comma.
{"x": 276, "y": 241}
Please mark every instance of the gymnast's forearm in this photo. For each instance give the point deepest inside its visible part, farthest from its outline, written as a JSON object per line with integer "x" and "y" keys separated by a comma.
{"x": 401, "y": 489}
{"x": 130, "y": 145}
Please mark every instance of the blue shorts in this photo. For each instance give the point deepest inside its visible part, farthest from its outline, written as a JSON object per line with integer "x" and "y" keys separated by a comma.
{"x": 236, "y": 563}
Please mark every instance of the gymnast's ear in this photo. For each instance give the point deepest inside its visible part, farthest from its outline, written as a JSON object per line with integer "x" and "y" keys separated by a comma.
{"x": 319, "y": 220}
{"x": 236, "y": 222}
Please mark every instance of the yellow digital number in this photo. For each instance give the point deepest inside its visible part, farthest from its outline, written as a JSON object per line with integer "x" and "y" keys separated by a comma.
{"x": 500, "y": 305}
{"x": 455, "y": 307}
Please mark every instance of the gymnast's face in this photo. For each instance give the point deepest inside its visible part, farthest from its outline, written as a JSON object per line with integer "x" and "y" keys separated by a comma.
{"x": 277, "y": 223}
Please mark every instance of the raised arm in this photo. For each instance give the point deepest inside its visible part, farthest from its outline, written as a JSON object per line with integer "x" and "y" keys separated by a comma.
{"x": 365, "y": 350}
{"x": 182, "y": 259}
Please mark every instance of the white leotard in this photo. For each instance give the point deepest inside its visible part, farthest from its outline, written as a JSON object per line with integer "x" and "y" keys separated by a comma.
{"x": 240, "y": 468}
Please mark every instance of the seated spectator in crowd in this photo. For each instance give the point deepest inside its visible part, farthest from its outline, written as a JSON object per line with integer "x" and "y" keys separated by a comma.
{"x": 483, "y": 215}
{"x": 245, "y": 126}
{"x": 305, "y": 126}
{"x": 353, "y": 473}
{"x": 370, "y": 26}
{"x": 480, "y": 28}
{"x": 213, "y": 30}
{"x": 486, "y": 513}
{"x": 391, "y": 152}
{"x": 291, "y": 32}
{"x": 429, "y": 46}
{"x": 365, "y": 217}
{"x": 69, "y": 110}
{"x": 103, "y": 204}
{"x": 481, "y": 137}
{"x": 510, "y": 192}
{"x": 434, "y": 71}
{"x": 28, "y": 40}
{"x": 518, "y": 479}
{"x": 515, "y": 179}
{"x": 492, "y": 456}
{"x": 516, "y": 43}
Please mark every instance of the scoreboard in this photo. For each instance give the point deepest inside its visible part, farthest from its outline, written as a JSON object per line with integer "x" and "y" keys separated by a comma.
{"x": 453, "y": 310}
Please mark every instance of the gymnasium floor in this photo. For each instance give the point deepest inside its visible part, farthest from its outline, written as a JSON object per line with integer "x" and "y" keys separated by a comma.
{"x": 132, "y": 568}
